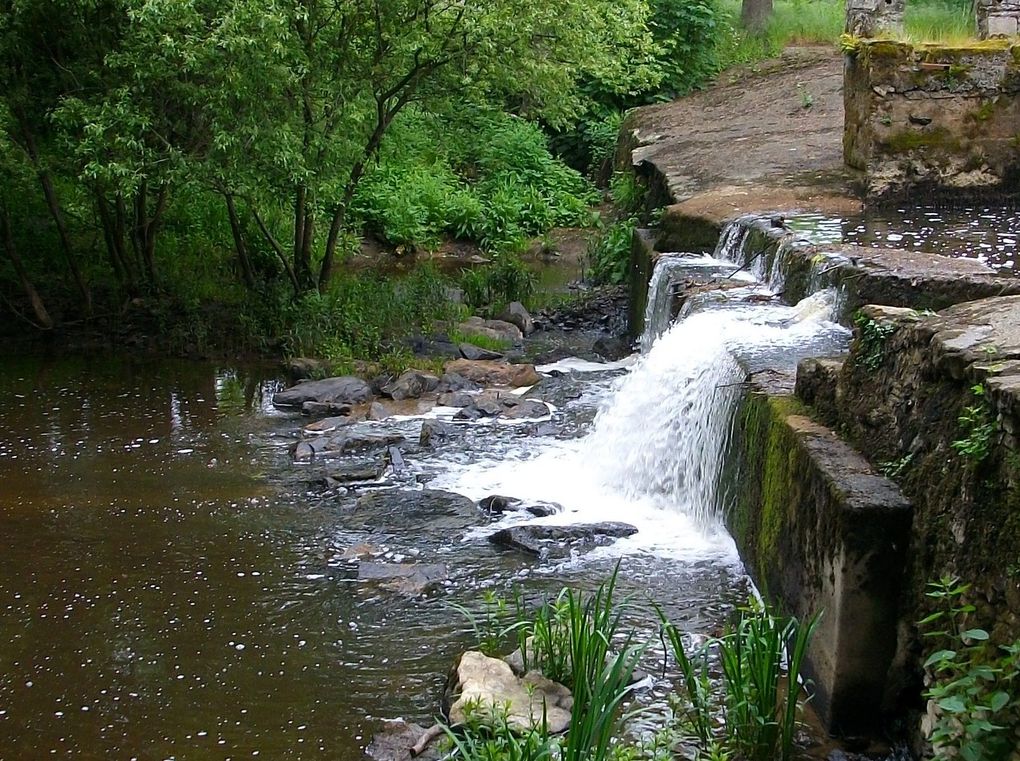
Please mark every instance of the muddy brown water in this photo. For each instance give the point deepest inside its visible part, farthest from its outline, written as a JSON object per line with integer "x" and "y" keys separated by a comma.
{"x": 171, "y": 587}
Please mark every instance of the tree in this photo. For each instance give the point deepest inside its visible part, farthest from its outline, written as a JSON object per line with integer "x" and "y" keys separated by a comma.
{"x": 755, "y": 14}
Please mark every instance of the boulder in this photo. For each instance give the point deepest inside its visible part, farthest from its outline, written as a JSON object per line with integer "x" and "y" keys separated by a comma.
{"x": 353, "y": 472}
{"x": 612, "y": 348}
{"x": 497, "y": 330}
{"x": 411, "y": 579}
{"x": 496, "y": 504}
{"x": 409, "y": 510}
{"x": 559, "y": 541}
{"x": 488, "y": 691}
{"x": 411, "y": 384}
{"x": 377, "y": 412}
{"x": 359, "y": 442}
{"x": 490, "y": 373}
{"x": 470, "y": 351}
{"x": 453, "y": 382}
{"x": 303, "y": 368}
{"x": 529, "y": 409}
{"x": 516, "y": 314}
{"x": 341, "y": 390}
{"x": 456, "y": 399}
{"x": 435, "y": 431}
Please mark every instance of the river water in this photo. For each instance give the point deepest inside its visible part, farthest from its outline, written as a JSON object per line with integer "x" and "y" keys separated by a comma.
{"x": 173, "y": 586}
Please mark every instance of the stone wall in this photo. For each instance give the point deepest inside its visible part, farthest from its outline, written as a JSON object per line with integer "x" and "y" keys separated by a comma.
{"x": 901, "y": 396}
{"x": 933, "y": 117}
{"x": 997, "y": 18}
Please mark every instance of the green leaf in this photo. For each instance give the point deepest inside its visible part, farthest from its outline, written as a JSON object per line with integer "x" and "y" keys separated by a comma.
{"x": 998, "y": 701}
{"x": 940, "y": 655}
{"x": 977, "y": 634}
{"x": 952, "y": 704}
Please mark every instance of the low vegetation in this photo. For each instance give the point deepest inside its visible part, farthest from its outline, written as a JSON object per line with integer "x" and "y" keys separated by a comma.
{"x": 587, "y": 642}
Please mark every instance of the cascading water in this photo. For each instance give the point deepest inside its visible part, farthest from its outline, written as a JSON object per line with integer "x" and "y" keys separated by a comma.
{"x": 655, "y": 452}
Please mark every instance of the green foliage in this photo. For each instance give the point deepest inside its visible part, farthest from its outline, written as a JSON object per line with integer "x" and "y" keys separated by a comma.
{"x": 364, "y": 316}
{"x": 977, "y": 424}
{"x": 481, "y": 341}
{"x": 871, "y": 336}
{"x": 759, "y": 715}
{"x": 894, "y": 468}
{"x": 627, "y": 193}
{"x": 684, "y": 32}
{"x": 497, "y": 284}
{"x": 974, "y": 692}
{"x": 608, "y": 254}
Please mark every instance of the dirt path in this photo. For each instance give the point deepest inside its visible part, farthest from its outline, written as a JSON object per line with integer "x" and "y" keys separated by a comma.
{"x": 762, "y": 138}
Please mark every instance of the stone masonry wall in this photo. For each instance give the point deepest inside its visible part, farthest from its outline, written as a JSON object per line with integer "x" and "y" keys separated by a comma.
{"x": 933, "y": 117}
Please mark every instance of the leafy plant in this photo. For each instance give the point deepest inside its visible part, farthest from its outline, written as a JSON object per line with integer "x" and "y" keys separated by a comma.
{"x": 608, "y": 254}
{"x": 978, "y": 426}
{"x": 894, "y": 468}
{"x": 872, "y": 336}
{"x": 974, "y": 692}
{"x": 497, "y": 284}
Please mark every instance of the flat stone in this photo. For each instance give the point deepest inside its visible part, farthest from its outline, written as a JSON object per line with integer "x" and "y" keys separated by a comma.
{"x": 488, "y": 691}
{"x": 395, "y": 740}
{"x": 497, "y": 330}
{"x": 353, "y": 472}
{"x": 529, "y": 409}
{"x": 411, "y": 579}
{"x": 470, "y": 351}
{"x": 490, "y": 373}
{"x": 403, "y": 510}
{"x": 559, "y": 541}
{"x": 327, "y": 425}
{"x": 341, "y": 390}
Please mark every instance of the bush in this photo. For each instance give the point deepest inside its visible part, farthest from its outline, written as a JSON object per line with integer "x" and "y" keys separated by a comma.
{"x": 497, "y": 284}
{"x": 608, "y": 254}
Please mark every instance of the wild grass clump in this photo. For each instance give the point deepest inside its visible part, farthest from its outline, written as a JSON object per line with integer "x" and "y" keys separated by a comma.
{"x": 365, "y": 316}
{"x": 608, "y": 254}
{"x": 495, "y": 285}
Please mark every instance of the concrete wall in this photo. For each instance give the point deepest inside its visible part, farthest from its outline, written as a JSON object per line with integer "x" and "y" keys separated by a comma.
{"x": 933, "y": 117}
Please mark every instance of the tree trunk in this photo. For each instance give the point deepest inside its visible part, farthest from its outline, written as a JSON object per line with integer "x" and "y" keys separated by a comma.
{"x": 146, "y": 226}
{"x": 113, "y": 235}
{"x": 275, "y": 245}
{"x": 755, "y": 14}
{"x": 45, "y": 321}
{"x": 247, "y": 274}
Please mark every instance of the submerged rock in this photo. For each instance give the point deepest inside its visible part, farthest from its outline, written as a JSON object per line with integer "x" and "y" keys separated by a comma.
{"x": 488, "y": 691}
{"x": 411, "y": 579}
{"x": 400, "y": 509}
{"x": 395, "y": 740}
{"x": 559, "y": 541}
{"x": 344, "y": 390}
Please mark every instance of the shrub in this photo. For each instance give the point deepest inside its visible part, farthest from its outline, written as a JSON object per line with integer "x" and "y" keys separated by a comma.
{"x": 495, "y": 285}
{"x": 608, "y": 254}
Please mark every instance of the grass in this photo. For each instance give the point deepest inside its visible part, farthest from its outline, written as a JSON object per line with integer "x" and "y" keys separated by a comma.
{"x": 483, "y": 342}
{"x": 821, "y": 22}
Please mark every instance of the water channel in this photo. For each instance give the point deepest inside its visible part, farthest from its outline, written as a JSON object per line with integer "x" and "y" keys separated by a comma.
{"x": 173, "y": 586}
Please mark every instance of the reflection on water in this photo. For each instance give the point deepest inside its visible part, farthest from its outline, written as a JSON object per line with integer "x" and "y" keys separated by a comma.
{"x": 171, "y": 587}
{"x": 987, "y": 233}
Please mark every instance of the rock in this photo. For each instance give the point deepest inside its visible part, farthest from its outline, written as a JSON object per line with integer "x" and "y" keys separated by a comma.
{"x": 435, "y": 431}
{"x": 516, "y": 314}
{"x": 402, "y": 510}
{"x": 326, "y": 408}
{"x": 302, "y": 451}
{"x": 327, "y": 425}
{"x": 482, "y": 408}
{"x": 488, "y": 691}
{"x": 559, "y": 541}
{"x": 489, "y": 373}
{"x": 394, "y": 741}
{"x": 544, "y": 509}
{"x": 497, "y": 505}
{"x": 454, "y": 382}
{"x": 411, "y": 579}
{"x": 343, "y": 474}
{"x": 360, "y": 551}
{"x": 377, "y": 412}
{"x": 358, "y": 442}
{"x": 303, "y": 368}
{"x": 612, "y": 348}
{"x": 342, "y": 390}
{"x": 410, "y": 385}
{"x": 528, "y": 409}
{"x": 437, "y": 346}
{"x": 497, "y": 330}
{"x": 470, "y": 351}
{"x": 456, "y": 399}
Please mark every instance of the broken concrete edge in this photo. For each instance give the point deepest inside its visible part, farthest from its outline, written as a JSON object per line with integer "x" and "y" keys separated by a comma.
{"x": 820, "y": 532}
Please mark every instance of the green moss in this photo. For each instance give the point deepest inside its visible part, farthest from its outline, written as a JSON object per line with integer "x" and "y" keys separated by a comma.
{"x": 912, "y": 140}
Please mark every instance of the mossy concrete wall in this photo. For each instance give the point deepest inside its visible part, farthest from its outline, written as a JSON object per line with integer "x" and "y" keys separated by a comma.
{"x": 819, "y": 531}
{"x": 945, "y": 119}
{"x": 902, "y": 396}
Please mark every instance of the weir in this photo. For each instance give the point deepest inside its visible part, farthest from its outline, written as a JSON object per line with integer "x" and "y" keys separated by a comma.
{"x": 816, "y": 524}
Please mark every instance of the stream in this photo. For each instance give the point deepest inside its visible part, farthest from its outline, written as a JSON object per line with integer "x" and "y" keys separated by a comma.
{"x": 174, "y": 586}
